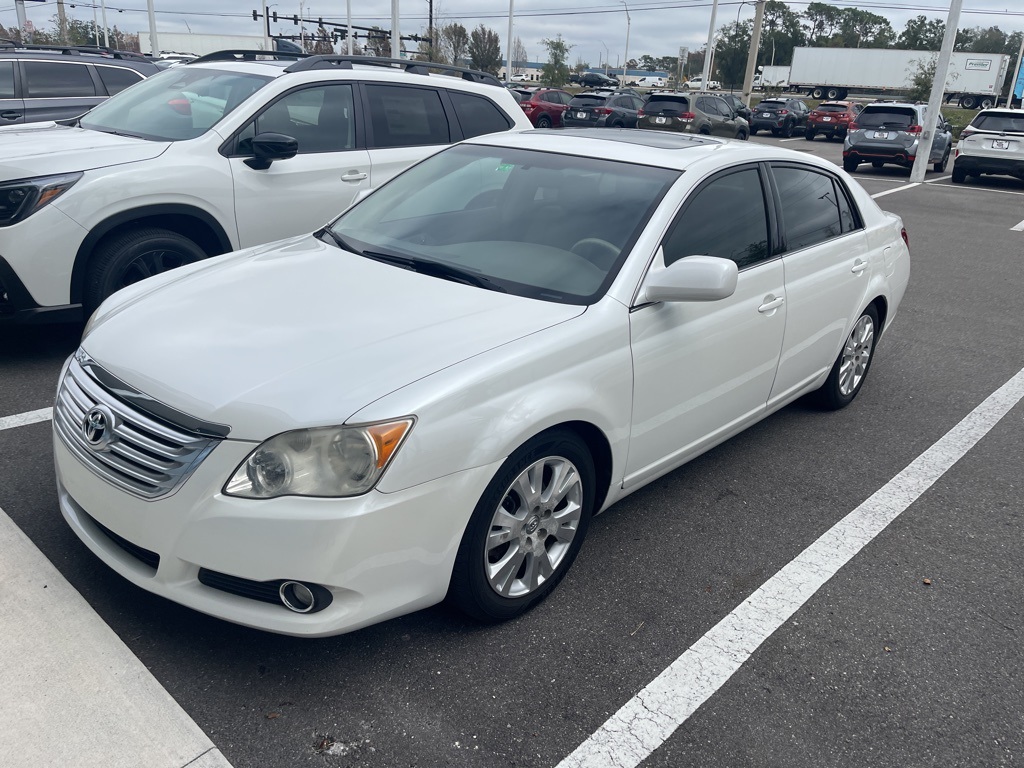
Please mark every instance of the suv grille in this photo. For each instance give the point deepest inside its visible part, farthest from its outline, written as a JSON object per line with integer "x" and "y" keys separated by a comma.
{"x": 130, "y": 449}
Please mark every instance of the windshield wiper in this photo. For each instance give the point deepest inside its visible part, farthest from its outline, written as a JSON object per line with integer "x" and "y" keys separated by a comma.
{"x": 435, "y": 269}
{"x": 339, "y": 240}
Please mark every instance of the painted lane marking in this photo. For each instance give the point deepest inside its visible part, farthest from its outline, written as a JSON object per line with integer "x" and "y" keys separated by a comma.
{"x": 796, "y": 139}
{"x": 647, "y": 720}
{"x": 1018, "y": 227}
{"x": 21, "y": 419}
{"x": 939, "y": 178}
{"x": 897, "y": 189}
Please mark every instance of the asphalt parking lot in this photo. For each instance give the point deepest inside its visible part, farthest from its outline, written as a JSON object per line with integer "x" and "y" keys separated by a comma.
{"x": 909, "y": 655}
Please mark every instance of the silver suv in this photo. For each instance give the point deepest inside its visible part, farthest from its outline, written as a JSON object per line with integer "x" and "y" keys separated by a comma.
{"x": 889, "y": 132}
{"x": 992, "y": 143}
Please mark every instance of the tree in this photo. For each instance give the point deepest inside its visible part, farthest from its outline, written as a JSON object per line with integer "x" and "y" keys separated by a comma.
{"x": 782, "y": 33}
{"x": 731, "y": 46}
{"x": 648, "y": 63}
{"x": 920, "y": 34}
{"x": 923, "y": 78}
{"x": 581, "y": 66}
{"x": 485, "y": 49}
{"x": 378, "y": 43}
{"x": 823, "y": 23}
{"x": 556, "y": 71}
{"x": 453, "y": 42}
{"x": 863, "y": 29}
{"x": 519, "y": 55}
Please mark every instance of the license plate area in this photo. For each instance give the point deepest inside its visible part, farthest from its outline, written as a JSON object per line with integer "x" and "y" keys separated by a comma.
{"x": 581, "y": 115}
{"x": 661, "y": 120}
{"x": 881, "y": 134}
{"x": 1000, "y": 144}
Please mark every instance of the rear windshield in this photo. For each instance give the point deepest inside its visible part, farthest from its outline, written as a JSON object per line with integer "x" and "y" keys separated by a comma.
{"x": 999, "y": 123}
{"x": 831, "y": 108}
{"x": 587, "y": 100}
{"x": 890, "y": 117}
{"x": 771, "y": 106}
{"x": 662, "y": 104}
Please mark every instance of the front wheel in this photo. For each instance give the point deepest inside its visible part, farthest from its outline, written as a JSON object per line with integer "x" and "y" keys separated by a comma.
{"x": 851, "y": 367}
{"x": 526, "y": 529}
{"x": 742, "y": 136}
{"x": 133, "y": 256}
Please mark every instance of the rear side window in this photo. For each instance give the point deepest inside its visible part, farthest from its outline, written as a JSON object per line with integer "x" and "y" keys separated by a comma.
{"x": 810, "y": 209}
{"x": 54, "y": 79}
{"x": 406, "y": 117}
{"x": 6, "y": 79}
{"x": 890, "y": 117}
{"x": 478, "y": 115}
{"x": 726, "y": 218}
{"x": 116, "y": 79}
{"x": 999, "y": 123}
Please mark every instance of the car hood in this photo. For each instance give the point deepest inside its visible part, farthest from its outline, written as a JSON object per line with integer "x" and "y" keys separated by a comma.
{"x": 44, "y": 149}
{"x": 299, "y": 334}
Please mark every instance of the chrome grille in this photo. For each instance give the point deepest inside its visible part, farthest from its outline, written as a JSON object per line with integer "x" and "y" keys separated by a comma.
{"x": 143, "y": 455}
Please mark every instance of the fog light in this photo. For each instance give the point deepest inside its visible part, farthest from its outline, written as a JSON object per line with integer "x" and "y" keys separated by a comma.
{"x": 297, "y": 597}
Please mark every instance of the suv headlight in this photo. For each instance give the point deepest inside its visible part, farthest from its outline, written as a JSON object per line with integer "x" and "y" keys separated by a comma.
{"x": 20, "y": 199}
{"x": 326, "y": 461}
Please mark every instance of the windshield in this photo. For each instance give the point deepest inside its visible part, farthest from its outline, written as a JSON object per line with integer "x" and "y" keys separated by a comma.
{"x": 535, "y": 224}
{"x": 177, "y": 104}
{"x": 890, "y": 117}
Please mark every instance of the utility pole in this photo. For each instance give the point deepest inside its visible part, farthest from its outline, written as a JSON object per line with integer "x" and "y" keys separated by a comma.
{"x": 62, "y": 22}
{"x": 710, "y": 48}
{"x": 625, "y": 60}
{"x": 430, "y": 30}
{"x": 1016, "y": 78}
{"x": 154, "y": 44}
{"x": 19, "y": 6}
{"x": 106, "y": 36}
{"x": 266, "y": 28}
{"x": 508, "y": 43}
{"x": 924, "y": 144}
{"x": 302, "y": 25}
{"x": 396, "y": 35}
{"x": 755, "y": 43}
{"x": 348, "y": 25}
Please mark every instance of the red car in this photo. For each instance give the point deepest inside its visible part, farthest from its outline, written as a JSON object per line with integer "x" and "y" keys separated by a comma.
{"x": 831, "y": 118}
{"x": 544, "y": 106}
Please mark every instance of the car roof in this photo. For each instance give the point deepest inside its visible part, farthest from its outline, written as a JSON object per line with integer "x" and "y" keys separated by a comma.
{"x": 79, "y": 58}
{"x": 677, "y": 151}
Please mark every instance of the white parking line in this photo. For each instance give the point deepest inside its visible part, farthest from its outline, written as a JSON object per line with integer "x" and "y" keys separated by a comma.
{"x": 647, "y": 720}
{"x": 1018, "y": 227}
{"x": 21, "y": 419}
{"x": 896, "y": 189}
{"x": 796, "y": 139}
{"x": 938, "y": 178}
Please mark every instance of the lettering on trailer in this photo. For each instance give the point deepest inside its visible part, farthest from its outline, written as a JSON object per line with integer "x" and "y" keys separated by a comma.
{"x": 979, "y": 65}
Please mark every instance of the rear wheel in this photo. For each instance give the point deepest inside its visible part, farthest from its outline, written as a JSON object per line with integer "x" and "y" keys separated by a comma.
{"x": 543, "y": 121}
{"x": 959, "y": 175}
{"x": 817, "y": 93}
{"x": 809, "y": 134}
{"x": 832, "y": 94}
{"x": 851, "y": 367}
{"x": 969, "y": 101}
{"x": 134, "y": 255}
{"x": 850, "y": 165}
{"x": 940, "y": 166}
{"x": 986, "y": 102}
{"x": 526, "y": 529}
{"x": 741, "y": 135}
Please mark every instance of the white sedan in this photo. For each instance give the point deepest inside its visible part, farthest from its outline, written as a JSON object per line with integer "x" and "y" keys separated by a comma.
{"x": 431, "y": 397}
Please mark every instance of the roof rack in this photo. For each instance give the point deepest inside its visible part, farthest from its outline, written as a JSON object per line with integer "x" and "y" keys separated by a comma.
{"x": 242, "y": 54}
{"x": 409, "y": 65}
{"x": 75, "y": 50}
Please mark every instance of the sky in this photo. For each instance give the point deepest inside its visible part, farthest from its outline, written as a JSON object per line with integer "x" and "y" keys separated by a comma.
{"x": 657, "y": 27}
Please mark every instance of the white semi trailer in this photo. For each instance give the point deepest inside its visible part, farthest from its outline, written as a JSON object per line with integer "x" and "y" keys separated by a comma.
{"x": 974, "y": 79}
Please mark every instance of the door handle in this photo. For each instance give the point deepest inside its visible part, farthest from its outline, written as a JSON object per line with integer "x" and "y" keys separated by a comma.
{"x": 771, "y": 304}
{"x": 10, "y": 115}
{"x": 353, "y": 176}
{"x": 859, "y": 266}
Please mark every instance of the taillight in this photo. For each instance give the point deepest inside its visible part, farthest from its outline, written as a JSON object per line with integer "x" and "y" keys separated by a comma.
{"x": 602, "y": 111}
{"x": 966, "y": 132}
{"x": 906, "y": 239}
{"x": 914, "y": 129}
{"x": 527, "y": 106}
{"x": 783, "y": 111}
{"x": 852, "y": 127}
{"x": 640, "y": 113}
{"x": 814, "y": 114}
{"x": 843, "y": 118}
{"x": 687, "y": 116}
{"x": 181, "y": 106}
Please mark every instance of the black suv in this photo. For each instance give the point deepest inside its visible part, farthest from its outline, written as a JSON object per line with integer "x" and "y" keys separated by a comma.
{"x": 780, "y": 116}
{"x": 593, "y": 80}
{"x": 54, "y": 83}
{"x": 604, "y": 109}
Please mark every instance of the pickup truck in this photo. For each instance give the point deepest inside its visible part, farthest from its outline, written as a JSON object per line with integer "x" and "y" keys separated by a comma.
{"x": 697, "y": 84}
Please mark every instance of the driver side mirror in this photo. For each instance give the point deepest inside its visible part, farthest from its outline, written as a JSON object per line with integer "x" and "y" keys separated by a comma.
{"x": 268, "y": 147}
{"x": 693, "y": 278}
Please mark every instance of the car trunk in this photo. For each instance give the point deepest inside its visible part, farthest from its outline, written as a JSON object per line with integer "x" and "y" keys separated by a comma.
{"x": 584, "y": 108}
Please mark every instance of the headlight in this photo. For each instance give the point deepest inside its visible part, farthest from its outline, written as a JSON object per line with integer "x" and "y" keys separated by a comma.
{"x": 328, "y": 461}
{"x": 20, "y": 199}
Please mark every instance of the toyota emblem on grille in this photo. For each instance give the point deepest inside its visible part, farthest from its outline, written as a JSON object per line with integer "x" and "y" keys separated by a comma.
{"x": 98, "y": 428}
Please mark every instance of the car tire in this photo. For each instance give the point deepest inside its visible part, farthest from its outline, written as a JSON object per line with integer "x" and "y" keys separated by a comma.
{"x": 543, "y": 121}
{"x": 986, "y": 102}
{"x": 850, "y": 165}
{"x": 809, "y": 134}
{"x": 852, "y": 365}
{"x": 940, "y": 166}
{"x": 787, "y": 130}
{"x": 504, "y": 531}
{"x": 135, "y": 255}
{"x": 959, "y": 175}
{"x": 775, "y": 131}
{"x": 742, "y": 136}
{"x": 705, "y": 131}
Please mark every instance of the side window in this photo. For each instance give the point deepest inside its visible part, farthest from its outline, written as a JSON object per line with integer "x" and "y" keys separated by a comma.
{"x": 702, "y": 105}
{"x": 723, "y": 108}
{"x": 810, "y": 211}
{"x": 6, "y": 79}
{"x": 478, "y": 115}
{"x": 54, "y": 79}
{"x": 405, "y": 117}
{"x": 638, "y": 104}
{"x": 847, "y": 215}
{"x": 116, "y": 79}
{"x": 564, "y": 97}
{"x": 725, "y": 218}
{"x": 321, "y": 119}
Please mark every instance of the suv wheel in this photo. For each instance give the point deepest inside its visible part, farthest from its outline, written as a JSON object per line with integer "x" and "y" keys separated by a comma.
{"x": 809, "y": 134}
{"x": 133, "y": 256}
{"x": 850, "y": 165}
{"x": 787, "y": 130}
{"x": 959, "y": 175}
{"x": 543, "y": 121}
{"x": 941, "y": 165}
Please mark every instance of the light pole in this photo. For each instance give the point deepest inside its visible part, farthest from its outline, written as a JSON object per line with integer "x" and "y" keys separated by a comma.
{"x": 154, "y": 44}
{"x": 708, "y": 53}
{"x": 625, "y": 57}
{"x": 348, "y": 25}
{"x": 605, "y": 58}
{"x": 106, "y": 38}
{"x": 508, "y": 43}
{"x": 266, "y": 28}
{"x": 396, "y": 35}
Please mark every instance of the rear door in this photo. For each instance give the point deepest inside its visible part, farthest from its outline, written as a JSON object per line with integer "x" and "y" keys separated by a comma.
{"x": 12, "y": 110}
{"x": 57, "y": 90}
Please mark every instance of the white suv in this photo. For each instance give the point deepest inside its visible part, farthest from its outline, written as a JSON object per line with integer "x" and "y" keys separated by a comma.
{"x": 992, "y": 143}
{"x": 233, "y": 150}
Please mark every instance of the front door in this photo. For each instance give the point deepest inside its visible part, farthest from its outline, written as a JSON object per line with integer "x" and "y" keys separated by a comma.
{"x": 702, "y": 371}
{"x": 12, "y": 110}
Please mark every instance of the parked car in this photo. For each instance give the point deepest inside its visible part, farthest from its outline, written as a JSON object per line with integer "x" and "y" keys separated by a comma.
{"x": 992, "y": 143}
{"x": 737, "y": 106}
{"x": 697, "y": 84}
{"x": 594, "y": 80}
{"x": 421, "y": 402}
{"x": 692, "y": 113}
{"x": 520, "y": 77}
{"x": 39, "y": 83}
{"x": 652, "y": 82}
{"x": 780, "y": 116}
{"x": 831, "y": 119}
{"x": 888, "y": 132}
{"x": 611, "y": 109}
{"x": 222, "y": 153}
{"x": 545, "y": 106}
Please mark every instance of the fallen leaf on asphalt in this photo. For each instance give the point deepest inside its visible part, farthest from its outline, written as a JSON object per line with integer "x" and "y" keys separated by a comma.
{"x": 273, "y": 715}
{"x": 888, "y": 649}
{"x": 927, "y": 581}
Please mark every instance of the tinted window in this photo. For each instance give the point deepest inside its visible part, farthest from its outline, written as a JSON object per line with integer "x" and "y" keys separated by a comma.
{"x": 478, "y": 115}
{"x": 831, "y": 108}
{"x": 6, "y": 79}
{"x": 46, "y": 79}
{"x": 725, "y": 218}
{"x": 999, "y": 123}
{"x": 321, "y": 119}
{"x": 891, "y": 117}
{"x": 847, "y": 216}
{"x": 404, "y": 117}
{"x": 810, "y": 210}
{"x": 116, "y": 79}
{"x": 722, "y": 107}
{"x": 662, "y": 105}
{"x": 588, "y": 100}
{"x": 564, "y": 98}
{"x": 771, "y": 106}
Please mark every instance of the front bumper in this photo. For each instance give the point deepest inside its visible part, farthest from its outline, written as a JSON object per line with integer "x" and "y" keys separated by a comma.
{"x": 1005, "y": 166}
{"x": 380, "y": 555}
{"x": 17, "y": 307}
